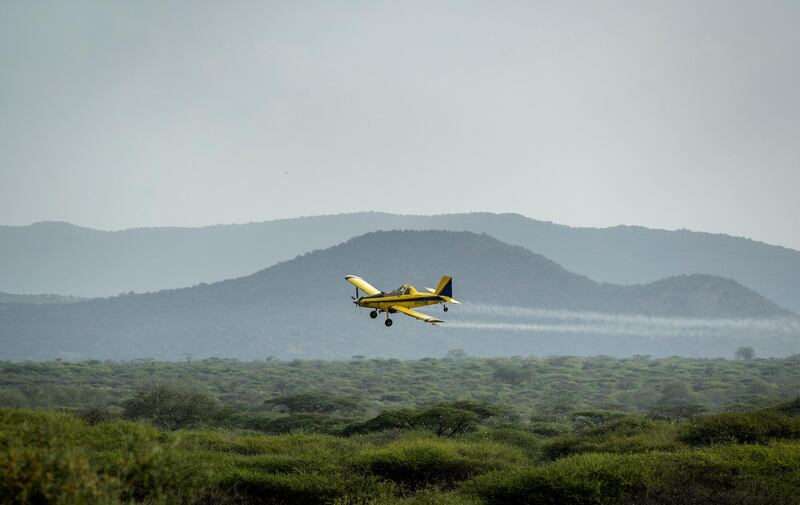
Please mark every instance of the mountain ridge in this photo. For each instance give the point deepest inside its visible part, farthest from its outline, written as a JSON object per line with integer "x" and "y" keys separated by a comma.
{"x": 622, "y": 226}
{"x": 87, "y": 262}
{"x": 68, "y": 224}
{"x": 301, "y": 307}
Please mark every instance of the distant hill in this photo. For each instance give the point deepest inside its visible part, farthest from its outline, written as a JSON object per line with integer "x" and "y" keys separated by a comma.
{"x": 61, "y": 258}
{"x": 37, "y": 299}
{"x": 301, "y": 308}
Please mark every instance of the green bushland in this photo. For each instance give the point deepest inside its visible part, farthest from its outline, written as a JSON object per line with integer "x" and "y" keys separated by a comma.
{"x": 479, "y": 431}
{"x": 629, "y": 434}
{"x": 545, "y": 390}
{"x": 721, "y": 475}
{"x": 581, "y": 479}
{"x": 51, "y": 457}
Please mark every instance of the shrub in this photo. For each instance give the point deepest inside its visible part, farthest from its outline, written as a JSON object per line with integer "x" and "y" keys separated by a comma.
{"x": 546, "y": 429}
{"x": 577, "y": 480}
{"x": 422, "y": 462}
{"x": 524, "y": 440}
{"x": 250, "y": 487}
{"x": 427, "y": 497}
{"x": 729, "y": 475}
{"x": 35, "y": 475}
{"x": 790, "y": 408}
{"x": 418, "y": 464}
{"x": 170, "y": 406}
{"x": 148, "y": 464}
{"x": 158, "y": 473}
{"x": 119, "y": 435}
{"x": 627, "y": 435}
{"x": 12, "y": 398}
{"x": 724, "y": 475}
{"x": 676, "y": 412}
{"x": 628, "y": 425}
{"x": 740, "y": 427}
{"x": 38, "y": 429}
{"x": 95, "y": 415}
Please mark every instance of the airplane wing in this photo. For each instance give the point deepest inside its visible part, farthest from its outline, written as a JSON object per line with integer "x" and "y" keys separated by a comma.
{"x": 361, "y": 284}
{"x": 416, "y": 315}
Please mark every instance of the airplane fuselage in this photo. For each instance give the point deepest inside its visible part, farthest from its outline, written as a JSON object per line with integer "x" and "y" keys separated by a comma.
{"x": 384, "y": 301}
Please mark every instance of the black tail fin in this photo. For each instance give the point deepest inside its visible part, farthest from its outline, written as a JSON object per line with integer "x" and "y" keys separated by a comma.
{"x": 445, "y": 287}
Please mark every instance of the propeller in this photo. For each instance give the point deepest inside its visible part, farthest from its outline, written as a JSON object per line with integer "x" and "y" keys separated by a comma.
{"x": 355, "y": 300}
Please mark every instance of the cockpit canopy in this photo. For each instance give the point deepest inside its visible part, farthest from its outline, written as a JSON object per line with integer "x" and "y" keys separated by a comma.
{"x": 405, "y": 289}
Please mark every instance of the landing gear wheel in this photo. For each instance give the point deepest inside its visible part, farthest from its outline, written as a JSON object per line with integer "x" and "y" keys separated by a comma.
{"x": 445, "y": 308}
{"x": 388, "y": 322}
{"x": 373, "y": 314}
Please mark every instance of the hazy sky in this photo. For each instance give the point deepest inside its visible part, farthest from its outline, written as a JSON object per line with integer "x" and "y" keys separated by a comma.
{"x": 671, "y": 114}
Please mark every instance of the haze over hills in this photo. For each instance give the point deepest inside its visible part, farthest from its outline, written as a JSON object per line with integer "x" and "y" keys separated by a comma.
{"x": 301, "y": 308}
{"x": 65, "y": 259}
{"x": 37, "y": 299}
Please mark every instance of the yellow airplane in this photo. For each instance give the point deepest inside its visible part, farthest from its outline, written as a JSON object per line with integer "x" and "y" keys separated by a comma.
{"x": 402, "y": 299}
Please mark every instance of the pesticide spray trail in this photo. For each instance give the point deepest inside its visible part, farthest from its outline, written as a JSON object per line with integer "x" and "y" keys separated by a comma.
{"x": 509, "y": 318}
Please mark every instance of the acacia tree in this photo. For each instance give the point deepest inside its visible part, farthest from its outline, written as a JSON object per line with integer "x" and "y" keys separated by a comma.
{"x": 315, "y": 402}
{"x": 511, "y": 374}
{"x": 443, "y": 419}
{"x": 170, "y": 406}
{"x": 745, "y": 353}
